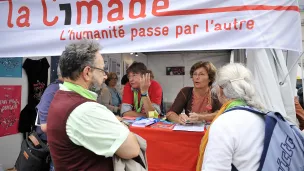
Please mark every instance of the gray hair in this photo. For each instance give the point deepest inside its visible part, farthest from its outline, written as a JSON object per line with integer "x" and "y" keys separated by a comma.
{"x": 76, "y": 57}
{"x": 236, "y": 82}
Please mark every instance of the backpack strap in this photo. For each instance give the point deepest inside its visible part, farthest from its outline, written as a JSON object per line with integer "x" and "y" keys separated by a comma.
{"x": 246, "y": 108}
{"x": 269, "y": 127}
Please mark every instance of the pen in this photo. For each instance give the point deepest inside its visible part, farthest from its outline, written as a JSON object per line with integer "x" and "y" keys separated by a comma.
{"x": 187, "y": 121}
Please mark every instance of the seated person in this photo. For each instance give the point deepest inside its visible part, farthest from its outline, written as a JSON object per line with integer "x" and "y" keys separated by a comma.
{"x": 142, "y": 94}
{"x": 197, "y": 102}
{"x": 109, "y": 95}
{"x": 235, "y": 138}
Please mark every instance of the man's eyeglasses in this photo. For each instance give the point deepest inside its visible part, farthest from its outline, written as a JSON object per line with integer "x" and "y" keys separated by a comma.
{"x": 103, "y": 71}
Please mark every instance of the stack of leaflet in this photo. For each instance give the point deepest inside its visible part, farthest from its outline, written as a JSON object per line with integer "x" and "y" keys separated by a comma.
{"x": 129, "y": 119}
{"x": 144, "y": 122}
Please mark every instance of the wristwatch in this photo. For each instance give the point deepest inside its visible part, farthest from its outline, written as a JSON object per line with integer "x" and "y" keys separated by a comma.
{"x": 144, "y": 94}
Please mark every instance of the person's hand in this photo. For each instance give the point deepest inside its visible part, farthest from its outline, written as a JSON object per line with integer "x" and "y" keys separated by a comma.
{"x": 194, "y": 118}
{"x": 145, "y": 83}
{"x": 183, "y": 118}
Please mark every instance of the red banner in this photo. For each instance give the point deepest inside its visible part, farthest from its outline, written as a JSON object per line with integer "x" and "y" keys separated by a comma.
{"x": 10, "y": 105}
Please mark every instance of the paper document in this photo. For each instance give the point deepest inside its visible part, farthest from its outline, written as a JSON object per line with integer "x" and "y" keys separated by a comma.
{"x": 192, "y": 127}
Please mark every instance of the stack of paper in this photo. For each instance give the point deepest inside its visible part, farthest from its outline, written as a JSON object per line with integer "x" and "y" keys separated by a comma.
{"x": 129, "y": 119}
{"x": 190, "y": 127}
{"x": 144, "y": 122}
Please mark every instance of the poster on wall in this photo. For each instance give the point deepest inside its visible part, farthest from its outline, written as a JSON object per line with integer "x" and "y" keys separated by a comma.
{"x": 175, "y": 70}
{"x": 10, "y": 105}
{"x": 54, "y": 65}
{"x": 126, "y": 66}
{"x": 118, "y": 73}
{"x": 113, "y": 65}
{"x": 118, "y": 69}
{"x": 106, "y": 63}
{"x": 11, "y": 67}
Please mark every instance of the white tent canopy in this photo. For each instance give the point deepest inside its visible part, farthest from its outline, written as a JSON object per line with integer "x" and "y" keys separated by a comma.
{"x": 275, "y": 84}
{"x": 43, "y": 28}
{"x": 34, "y": 28}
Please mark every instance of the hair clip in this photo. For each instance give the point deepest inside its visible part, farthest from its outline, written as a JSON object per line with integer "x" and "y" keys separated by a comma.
{"x": 236, "y": 79}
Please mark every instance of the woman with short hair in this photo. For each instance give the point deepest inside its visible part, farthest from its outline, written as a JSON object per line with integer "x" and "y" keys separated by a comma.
{"x": 197, "y": 102}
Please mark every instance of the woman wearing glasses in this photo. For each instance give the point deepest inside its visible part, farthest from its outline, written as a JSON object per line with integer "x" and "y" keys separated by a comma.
{"x": 197, "y": 102}
{"x": 110, "y": 96}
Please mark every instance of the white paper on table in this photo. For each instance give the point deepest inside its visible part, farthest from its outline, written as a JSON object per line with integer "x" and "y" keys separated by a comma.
{"x": 192, "y": 128}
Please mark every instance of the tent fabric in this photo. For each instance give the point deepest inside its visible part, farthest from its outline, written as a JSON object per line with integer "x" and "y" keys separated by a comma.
{"x": 269, "y": 68}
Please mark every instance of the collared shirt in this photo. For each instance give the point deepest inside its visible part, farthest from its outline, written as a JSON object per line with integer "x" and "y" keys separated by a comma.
{"x": 94, "y": 127}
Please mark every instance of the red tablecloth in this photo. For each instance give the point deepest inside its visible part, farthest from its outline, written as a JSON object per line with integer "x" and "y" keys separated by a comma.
{"x": 170, "y": 150}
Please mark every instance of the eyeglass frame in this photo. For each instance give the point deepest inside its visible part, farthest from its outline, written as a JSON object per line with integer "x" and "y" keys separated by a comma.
{"x": 102, "y": 70}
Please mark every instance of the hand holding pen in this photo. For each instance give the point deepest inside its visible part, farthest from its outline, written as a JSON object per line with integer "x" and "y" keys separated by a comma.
{"x": 183, "y": 119}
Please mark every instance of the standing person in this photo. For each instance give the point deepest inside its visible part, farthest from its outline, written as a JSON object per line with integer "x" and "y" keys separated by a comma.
{"x": 110, "y": 96}
{"x": 197, "y": 102}
{"x": 235, "y": 138}
{"x": 141, "y": 95}
{"x": 83, "y": 134}
{"x": 44, "y": 104}
{"x": 43, "y": 108}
